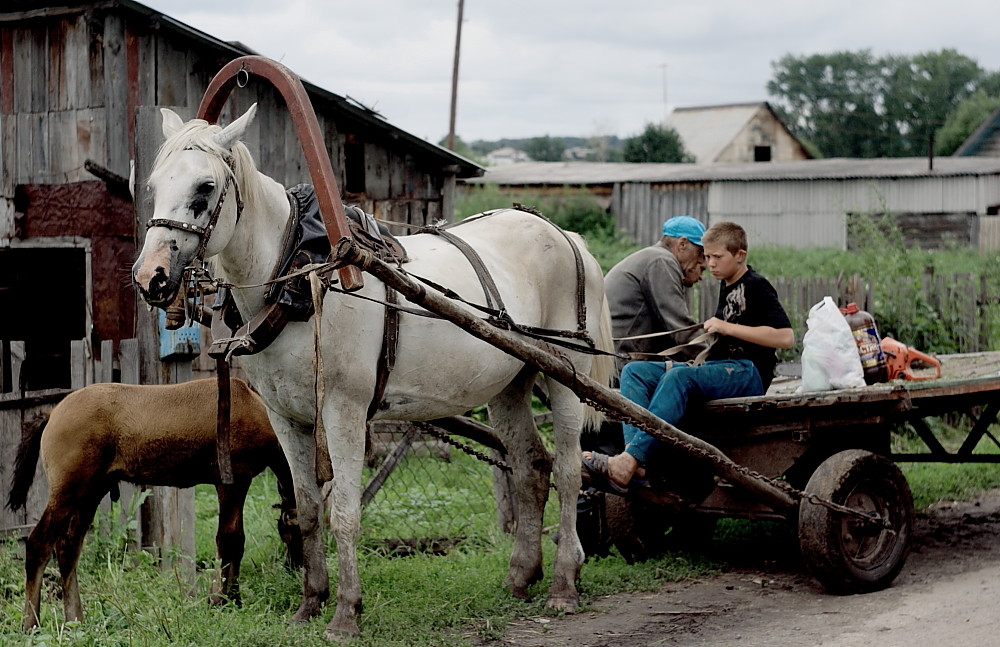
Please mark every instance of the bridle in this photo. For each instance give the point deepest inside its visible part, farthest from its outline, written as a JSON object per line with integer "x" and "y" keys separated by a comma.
{"x": 204, "y": 233}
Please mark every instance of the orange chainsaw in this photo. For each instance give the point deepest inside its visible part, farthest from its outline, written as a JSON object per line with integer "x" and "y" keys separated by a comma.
{"x": 900, "y": 357}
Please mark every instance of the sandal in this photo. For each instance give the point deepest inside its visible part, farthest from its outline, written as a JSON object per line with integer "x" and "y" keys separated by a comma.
{"x": 595, "y": 473}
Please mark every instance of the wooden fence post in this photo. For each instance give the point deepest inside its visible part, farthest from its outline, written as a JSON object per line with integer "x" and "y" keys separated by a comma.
{"x": 167, "y": 513}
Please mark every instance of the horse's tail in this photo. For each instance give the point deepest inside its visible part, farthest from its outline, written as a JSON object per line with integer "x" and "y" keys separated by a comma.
{"x": 24, "y": 464}
{"x": 602, "y": 369}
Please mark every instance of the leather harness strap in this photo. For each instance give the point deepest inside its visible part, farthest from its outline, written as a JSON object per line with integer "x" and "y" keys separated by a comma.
{"x": 387, "y": 356}
{"x": 493, "y": 298}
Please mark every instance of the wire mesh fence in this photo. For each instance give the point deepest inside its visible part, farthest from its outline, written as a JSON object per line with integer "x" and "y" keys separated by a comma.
{"x": 424, "y": 494}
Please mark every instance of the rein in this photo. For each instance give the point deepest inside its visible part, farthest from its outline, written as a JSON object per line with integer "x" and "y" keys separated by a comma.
{"x": 707, "y": 338}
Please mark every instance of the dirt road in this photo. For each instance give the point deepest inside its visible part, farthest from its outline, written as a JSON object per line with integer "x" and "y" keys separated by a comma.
{"x": 946, "y": 594}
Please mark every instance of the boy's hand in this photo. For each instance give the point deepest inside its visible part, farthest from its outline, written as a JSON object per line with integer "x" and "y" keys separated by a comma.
{"x": 716, "y": 325}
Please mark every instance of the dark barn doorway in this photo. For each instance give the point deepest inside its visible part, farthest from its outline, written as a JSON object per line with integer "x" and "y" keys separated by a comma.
{"x": 43, "y": 301}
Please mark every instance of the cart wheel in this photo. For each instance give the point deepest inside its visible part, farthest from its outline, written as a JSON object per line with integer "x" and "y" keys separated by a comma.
{"x": 846, "y": 554}
{"x": 641, "y": 530}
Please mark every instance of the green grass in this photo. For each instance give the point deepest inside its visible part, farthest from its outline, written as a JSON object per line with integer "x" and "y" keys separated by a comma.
{"x": 455, "y": 599}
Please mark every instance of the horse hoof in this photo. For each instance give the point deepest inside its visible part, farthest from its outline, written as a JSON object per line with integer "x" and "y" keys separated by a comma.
{"x": 306, "y": 612}
{"x": 563, "y": 604}
{"x": 520, "y": 592}
{"x": 338, "y": 632}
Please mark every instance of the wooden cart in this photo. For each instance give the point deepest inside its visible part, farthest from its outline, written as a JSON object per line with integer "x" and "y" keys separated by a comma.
{"x": 835, "y": 446}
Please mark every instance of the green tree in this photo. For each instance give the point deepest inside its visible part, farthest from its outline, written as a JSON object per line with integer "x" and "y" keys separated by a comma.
{"x": 656, "y": 144}
{"x": 853, "y": 104}
{"x": 922, "y": 91}
{"x": 963, "y": 121}
{"x": 545, "y": 149}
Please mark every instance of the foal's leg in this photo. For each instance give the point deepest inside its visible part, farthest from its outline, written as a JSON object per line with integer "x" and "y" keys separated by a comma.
{"x": 299, "y": 447}
{"x": 511, "y": 417}
{"x": 567, "y": 420}
{"x": 37, "y": 551}
{"x": 229, "y": 541}
{"x": 68, "y": 550}
{"x": 288, "y": 525}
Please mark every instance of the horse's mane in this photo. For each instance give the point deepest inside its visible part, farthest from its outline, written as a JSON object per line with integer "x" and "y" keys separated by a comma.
{"x": 198, "y": 134}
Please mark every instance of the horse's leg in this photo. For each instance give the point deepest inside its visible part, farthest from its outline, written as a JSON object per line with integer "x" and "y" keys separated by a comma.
{"x": 299, "y": 447}
{"x": 68, "y": 550}
{"x": 288, "y": 525}
{"x": 345, "y": 424}
{"x": 511, "y": 417}
{"x": 567, "y": 420}
{"x": 229, "y": 542}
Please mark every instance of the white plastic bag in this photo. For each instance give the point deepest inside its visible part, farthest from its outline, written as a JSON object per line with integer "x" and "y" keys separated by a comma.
{"x": 830, "y": 357}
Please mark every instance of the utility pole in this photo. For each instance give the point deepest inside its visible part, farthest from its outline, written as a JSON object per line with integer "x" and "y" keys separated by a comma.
{"x": 454, "y": 78}
{"x": 666, "y": 113}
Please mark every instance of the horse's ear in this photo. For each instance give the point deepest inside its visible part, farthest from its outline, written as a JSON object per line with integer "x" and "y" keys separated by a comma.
{"x": 171, "y": 122}
{"x": 234, "y": 131}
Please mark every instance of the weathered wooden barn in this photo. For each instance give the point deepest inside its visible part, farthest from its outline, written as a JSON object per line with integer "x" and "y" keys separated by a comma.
{"x": 75, "y": 80}
{"x": 800, "y": 204}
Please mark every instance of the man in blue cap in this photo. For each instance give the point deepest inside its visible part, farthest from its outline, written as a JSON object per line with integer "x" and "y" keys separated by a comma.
{"x": 646, "y": 294}
{"x": 647, "y": 290}
{"x": 749, "y": 325}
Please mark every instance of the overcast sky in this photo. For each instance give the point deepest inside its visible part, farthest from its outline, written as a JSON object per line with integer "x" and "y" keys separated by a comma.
{"x": 572, "y": 67}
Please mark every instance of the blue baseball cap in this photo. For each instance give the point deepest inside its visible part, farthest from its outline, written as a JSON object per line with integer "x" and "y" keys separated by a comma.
{"x": 685, "y": 226}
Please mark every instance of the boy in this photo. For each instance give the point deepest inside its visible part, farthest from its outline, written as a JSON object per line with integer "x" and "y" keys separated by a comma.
{"x": 749, "y": 324}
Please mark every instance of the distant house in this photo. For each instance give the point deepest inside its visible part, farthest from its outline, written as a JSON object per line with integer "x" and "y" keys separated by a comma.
{"x": 803, "y": 203}
{"x": 985, "y": 141}
{"x": 741, "y": 132}
{"x": 506, "y": 155}
{"x": 579, "y": 153}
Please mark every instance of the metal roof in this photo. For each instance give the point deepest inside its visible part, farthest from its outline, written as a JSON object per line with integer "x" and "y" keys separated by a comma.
{"x": 15, "y": 10}
{"x": 590, "y": 173}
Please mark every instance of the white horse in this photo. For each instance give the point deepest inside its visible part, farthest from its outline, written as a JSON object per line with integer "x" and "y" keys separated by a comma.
{"x": 439, "y": 370}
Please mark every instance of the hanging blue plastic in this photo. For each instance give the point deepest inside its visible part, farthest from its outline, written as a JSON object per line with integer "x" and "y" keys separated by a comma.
{"x": 181, "y": 344}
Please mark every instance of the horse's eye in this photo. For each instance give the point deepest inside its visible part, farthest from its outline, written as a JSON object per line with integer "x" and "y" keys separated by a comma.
{"x": 199, "y": 201}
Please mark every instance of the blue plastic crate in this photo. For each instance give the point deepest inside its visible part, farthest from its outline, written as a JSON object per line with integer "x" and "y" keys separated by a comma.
{"x": 180, "y": 344}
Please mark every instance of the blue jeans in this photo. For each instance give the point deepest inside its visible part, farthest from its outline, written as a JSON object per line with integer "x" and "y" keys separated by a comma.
{"x": 667, "y": 393}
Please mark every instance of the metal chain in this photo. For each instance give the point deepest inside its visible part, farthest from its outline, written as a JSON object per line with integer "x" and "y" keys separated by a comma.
{"x": 443, "y": 436}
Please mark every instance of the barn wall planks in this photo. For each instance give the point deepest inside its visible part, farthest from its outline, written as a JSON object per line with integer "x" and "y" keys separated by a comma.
{"x": 76, "y": 77}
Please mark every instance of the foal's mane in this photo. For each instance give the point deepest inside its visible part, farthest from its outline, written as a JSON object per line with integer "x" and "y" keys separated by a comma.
{"x": 198, "y": 134}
